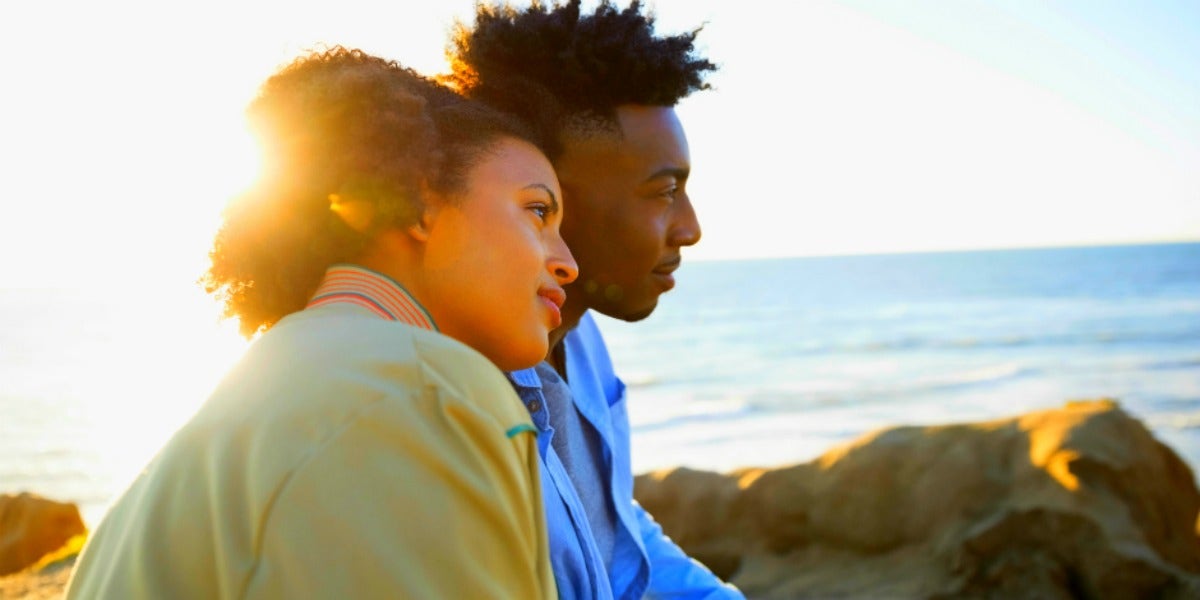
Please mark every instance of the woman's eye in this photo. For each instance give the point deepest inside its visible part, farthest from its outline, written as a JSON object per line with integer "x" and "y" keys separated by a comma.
{"x": 541, "y": 210}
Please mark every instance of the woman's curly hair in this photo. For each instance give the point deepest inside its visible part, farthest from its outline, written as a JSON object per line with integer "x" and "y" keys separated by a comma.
{"x": 339, "y": 125}
{"x": 587, "y": 64}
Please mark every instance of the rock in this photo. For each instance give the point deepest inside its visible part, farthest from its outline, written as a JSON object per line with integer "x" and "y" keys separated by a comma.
{"x": 1076, "y": 502}
{"x": 32, "y": 527}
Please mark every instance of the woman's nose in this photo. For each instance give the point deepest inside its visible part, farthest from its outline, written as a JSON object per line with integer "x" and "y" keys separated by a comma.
{"x": 560, "y": 262}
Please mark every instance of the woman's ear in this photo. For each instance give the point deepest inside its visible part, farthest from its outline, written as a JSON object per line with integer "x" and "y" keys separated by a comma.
{"x": 420, "y": 230}
{"x": 356, "y": 214}
{"x": 431, "y": 207}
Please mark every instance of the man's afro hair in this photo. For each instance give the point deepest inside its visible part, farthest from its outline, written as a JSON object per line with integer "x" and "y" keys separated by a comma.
{"x": 586, "y": 63}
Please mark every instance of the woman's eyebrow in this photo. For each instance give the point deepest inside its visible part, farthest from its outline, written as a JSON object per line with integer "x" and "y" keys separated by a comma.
{"x": 549, "y": 192}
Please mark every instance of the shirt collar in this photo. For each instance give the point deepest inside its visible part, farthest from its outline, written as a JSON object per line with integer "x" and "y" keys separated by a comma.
{"x": 526, "y": 378}
{"x": 382, "y": 295}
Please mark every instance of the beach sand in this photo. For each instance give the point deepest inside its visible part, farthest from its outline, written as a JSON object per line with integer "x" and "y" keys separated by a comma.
{"x": 44, "y": 584}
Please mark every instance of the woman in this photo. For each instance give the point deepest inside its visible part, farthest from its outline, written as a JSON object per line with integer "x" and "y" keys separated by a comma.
{"x": 400, "y": 245}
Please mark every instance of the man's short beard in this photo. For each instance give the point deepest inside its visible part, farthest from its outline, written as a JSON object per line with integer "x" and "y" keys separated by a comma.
{"x": 637, "y": 316}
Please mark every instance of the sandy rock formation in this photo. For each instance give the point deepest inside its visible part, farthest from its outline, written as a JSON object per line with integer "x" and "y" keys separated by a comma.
{"x": 49, "y": 583}
{"x": 32, "y": 527}
{"x": 1077, "y": 502}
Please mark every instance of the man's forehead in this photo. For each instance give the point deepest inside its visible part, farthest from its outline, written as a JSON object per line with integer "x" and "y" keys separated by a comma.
{"x": 590, "y": 129}
{"x": 627, "y": 120}
{"x": 653, "y": 136}
{"x": 633, "y": 119}
{"x": 643, "y": 144}
{"x": 637, "y": 129}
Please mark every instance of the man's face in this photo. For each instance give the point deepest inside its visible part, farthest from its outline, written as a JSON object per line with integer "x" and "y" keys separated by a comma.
{"x": 629, "y": 211}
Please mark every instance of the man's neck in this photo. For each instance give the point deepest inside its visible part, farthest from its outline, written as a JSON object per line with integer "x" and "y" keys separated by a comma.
{"x": 556, "y": 356}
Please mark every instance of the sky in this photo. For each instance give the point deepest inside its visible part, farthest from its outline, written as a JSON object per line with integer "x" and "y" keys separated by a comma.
{"x": 834, "y": 127}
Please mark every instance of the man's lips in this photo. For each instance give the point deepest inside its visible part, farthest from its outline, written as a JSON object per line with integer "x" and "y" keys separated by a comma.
{"x": 668, "y": 266}
{"x": 663, "y": 272}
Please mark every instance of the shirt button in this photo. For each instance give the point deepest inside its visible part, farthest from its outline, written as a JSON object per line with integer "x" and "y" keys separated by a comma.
{"x": 534, "y": 406}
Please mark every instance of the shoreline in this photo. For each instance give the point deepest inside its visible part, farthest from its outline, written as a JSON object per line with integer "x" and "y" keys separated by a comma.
{"x": 1079, "y": 470}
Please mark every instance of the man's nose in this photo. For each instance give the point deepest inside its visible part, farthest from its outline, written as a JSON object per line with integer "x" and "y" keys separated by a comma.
{"x": 685, "y": 227}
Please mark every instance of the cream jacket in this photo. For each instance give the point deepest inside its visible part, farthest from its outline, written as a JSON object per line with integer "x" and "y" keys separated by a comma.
{"x": 343, "y": 457}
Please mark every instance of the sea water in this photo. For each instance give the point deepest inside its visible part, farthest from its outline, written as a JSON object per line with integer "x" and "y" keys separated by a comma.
{"x": 774, "y": 361}
{"x": 745, "y": 363}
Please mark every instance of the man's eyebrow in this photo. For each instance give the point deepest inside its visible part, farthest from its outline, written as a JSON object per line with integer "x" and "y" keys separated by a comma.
{"x": 549, "y": 192}
{"x": 676, "y": 172}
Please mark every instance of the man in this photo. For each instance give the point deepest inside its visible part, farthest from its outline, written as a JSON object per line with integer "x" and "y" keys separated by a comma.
{"x": 604, "y": 85}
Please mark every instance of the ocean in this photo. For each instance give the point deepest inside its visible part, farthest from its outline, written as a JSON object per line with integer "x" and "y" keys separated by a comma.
{"x": 774, "y": 361}
{"x": 745, "y": 363}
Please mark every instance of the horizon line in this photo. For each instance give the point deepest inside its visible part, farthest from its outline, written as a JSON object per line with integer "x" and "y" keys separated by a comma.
{"x": 948, "y": 250}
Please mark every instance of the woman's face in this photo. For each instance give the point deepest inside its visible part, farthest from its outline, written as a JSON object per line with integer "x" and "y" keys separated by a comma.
{"x": 494, "y": 263}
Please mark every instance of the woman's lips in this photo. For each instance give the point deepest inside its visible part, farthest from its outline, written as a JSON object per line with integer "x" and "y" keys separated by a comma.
{"x": 553, "y": 299}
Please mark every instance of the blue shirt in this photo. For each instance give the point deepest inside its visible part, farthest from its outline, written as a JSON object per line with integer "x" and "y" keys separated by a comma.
{"x": 576, "y": 444}
{"x": 644, "y": 562}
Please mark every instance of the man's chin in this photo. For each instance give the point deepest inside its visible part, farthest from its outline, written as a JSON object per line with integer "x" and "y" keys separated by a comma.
{"x": 613, "y": 302}
{"x": 629, "y": 314}
{"x": 637, "y": 316}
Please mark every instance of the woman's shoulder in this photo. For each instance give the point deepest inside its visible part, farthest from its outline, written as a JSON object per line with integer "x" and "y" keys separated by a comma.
{"x": 341, "y": 333}
{"x": 306, "y": 383}
{"x": 307, "y": 408}
{"x": 316, "y": 353}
